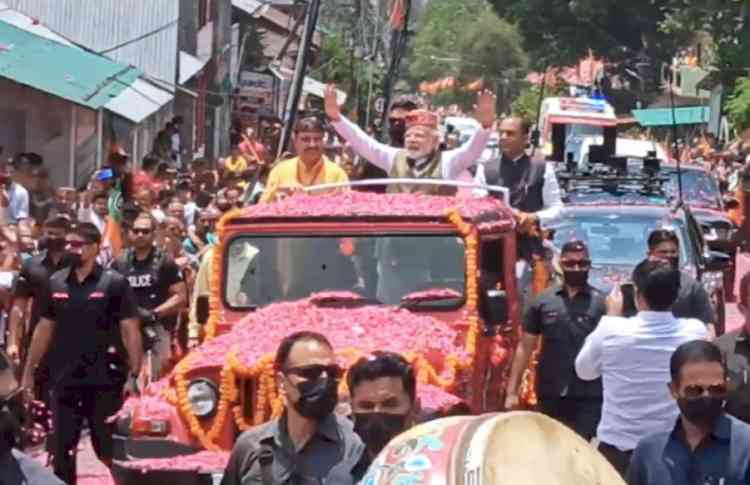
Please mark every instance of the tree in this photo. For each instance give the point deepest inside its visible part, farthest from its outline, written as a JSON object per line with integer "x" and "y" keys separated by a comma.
{"x": 560, "y": 32}
{"x": 738, "y": 106}
{"x": 526, "y": 105}
{"x": 728, "y": 24}
{"x": 490, "y": 48}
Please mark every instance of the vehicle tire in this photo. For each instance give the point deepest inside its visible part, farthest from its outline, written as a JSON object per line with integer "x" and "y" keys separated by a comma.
{"x": 719, "y": 303}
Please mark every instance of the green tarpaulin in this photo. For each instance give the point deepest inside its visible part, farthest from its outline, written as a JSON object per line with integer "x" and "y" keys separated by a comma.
{"x": 663, "y": 116}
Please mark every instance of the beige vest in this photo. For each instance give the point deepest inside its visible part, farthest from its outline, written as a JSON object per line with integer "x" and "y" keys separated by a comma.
{"x": 402, "y": 169}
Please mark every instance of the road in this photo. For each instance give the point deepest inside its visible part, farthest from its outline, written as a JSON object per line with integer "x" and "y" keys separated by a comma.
{"x": 92, "y": 472}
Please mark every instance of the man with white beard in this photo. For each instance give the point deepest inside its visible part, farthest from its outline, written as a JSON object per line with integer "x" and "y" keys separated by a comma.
{"x": 421, "y": 157}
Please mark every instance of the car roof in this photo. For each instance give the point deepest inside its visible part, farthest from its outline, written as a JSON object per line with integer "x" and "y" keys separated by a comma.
{"x": 635, "y": 209}
{"x": 365, "y": 206}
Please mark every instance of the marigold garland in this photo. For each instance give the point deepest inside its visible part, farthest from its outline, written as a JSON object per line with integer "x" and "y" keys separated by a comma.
{"x": 267, "y": 401}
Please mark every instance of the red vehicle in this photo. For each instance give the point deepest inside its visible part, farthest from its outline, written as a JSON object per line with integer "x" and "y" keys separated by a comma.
{"x": 431, "y": 277}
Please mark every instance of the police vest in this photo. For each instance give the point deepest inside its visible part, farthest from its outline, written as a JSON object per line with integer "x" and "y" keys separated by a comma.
{"x": 524, "y": 178}
{"x": 149, "y": 291}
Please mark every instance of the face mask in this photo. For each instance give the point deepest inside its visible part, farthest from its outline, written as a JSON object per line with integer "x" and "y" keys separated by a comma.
{"x": 224, "y": 207}
{"x": 10, "y": 423}
{"x": 675, "y": 262}
{"x": 54, "y": 244}
{"x": 703, "y": 411}
{"x": 317, "y": 398}
{"x": 378, "y": 429}
{"x": 73, "y": 260}
{"x": 396, "y": 131}
{"x": 576, "y": 279}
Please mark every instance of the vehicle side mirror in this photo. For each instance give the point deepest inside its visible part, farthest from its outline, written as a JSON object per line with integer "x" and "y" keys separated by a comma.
{"x": 495, "y": 311}
{"x": 201, "y": 309}
{"x": 718, "y": 261}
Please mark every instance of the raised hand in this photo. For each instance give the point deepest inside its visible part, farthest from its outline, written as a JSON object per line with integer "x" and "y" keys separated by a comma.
{"x": 331, "y": 103}
{"x": 484, "y": 110}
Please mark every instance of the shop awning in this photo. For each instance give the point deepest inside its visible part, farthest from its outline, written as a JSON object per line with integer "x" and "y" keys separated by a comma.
{"x": 65, "y": 71}
{"x": 189, "y": 66}
{"x": 663, "y": 116}
{"x": 139, "y": 101}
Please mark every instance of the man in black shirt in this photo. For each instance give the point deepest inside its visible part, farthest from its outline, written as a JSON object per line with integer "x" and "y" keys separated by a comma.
{"x": 309, "y": 443}
{"x": 86, "y": 307}
{"x": 15, "y": 467}
{"x": 158, "y": 286}
{"x": 563, "y": 316}
{"x": 35, "y": 273}
{"x": 736, "y": 349}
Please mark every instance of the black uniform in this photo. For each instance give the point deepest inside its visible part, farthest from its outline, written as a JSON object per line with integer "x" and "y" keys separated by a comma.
{"x": 736, "y": 348}
{"x": 35, "y": 272}
{"x": 564, "y": 324}
{"x": 150, "y": 279}
{"x": 84, "y": 383}
{"x": 523, "y": 177}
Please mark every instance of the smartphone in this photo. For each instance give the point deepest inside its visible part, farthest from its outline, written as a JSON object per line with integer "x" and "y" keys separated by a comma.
{"x": 105, "y": 174}
{"x": 628, "y": 300}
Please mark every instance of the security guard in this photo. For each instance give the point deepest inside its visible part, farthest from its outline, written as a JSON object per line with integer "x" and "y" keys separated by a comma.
{"x": 86, "y": 306}
{"x": 158, "y": 286}
{"x": 564, "y": 316}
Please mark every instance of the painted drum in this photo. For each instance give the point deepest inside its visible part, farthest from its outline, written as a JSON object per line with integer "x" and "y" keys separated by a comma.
{"x": 493, "y": 449}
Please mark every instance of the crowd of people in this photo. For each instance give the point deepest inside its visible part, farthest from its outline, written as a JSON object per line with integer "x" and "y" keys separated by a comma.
{"x": 99, "y": 289}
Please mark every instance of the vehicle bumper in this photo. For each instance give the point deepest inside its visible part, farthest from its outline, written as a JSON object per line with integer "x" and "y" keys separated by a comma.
{"x": 127, "y": 451}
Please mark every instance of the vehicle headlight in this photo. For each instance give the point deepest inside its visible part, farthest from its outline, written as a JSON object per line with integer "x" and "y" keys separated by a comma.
{"x": 203, "y": 397}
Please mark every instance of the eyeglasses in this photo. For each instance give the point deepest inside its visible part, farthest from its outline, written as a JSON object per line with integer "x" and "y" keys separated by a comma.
{"x": 696, "y": 391}
{"x": 580, "y": 264}
{"x": 76, "y": 244}
{"x": 313, "y": 372}
{"x": 141, "y": 232}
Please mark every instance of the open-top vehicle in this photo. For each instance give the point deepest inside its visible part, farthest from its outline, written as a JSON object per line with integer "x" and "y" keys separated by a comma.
{"x": 431, "y": 277}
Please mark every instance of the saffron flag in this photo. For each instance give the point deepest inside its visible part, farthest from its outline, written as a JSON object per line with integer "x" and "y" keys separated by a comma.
{"x": 398, "y": 14}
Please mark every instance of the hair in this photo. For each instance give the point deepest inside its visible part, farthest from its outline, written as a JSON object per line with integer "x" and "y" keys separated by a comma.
{"x": 150, "y": 162}
{"x": 693, "y": 352}
{"x": 658, "y": 282}
{"x": 575, "y": 246}
{"x": 99, "y": 195}
{"x": 286, "y": 345}
{"x": 383, "y": 364}
{"x": 309, "y": 123}
{"x": 404, "y": 103}
{"x": 659, "y": 236}
{"x": 87, "y": 231}
{"x": 57, "y": 222}
{"x": 148, "y": 217}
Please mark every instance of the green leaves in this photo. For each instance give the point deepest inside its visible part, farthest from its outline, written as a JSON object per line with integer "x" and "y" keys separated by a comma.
{"x": 738, "y": 106}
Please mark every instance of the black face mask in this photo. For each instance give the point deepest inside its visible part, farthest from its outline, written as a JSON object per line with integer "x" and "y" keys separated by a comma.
{"x": 10, "y": 422}
{"x": 54, "y": 244}
{"x": 72, "y": 260}
{"x": 675, "y": 262}
{"x": 397, "y": 131}
{"x": 317, "y": 398}
{"x": 703, "y": 411}
{"x": 576, "y": 279}
{"x": 378, "y": 429}
{"x": 224, "y": 207}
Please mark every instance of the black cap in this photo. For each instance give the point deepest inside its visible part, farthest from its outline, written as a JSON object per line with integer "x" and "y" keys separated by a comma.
{"x": 575, "y": 246}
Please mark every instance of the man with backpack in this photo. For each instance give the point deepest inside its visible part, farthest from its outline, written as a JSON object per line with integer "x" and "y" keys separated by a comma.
{"x": 159, "y": 289}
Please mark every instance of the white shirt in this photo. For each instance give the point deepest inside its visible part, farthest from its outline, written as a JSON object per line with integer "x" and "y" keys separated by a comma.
{"x": 551, "y": 195}
{"x": 632, "y": 355}
{"x": 454, "y": 162}
{"x": 18, "y": 207}
{"x": 190, "y": 209}
{"x": 87, "y": 214}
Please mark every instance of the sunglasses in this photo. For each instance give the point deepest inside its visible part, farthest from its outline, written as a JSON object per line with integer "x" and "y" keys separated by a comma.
{"x": 141, "y": 232}
{"x": 76, "y": 244}
{"x": 314, "y": 372}
{"x": 582, "y": 264}
{"x": 715, "y": 390}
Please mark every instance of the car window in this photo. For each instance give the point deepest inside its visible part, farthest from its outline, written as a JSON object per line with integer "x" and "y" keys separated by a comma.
{"x": 617, "y": 239}
{"x": 699, "y": 188}
{"x": 262, "y": 270}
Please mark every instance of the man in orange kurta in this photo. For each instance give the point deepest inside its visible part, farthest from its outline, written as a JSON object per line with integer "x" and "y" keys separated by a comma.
{"x": 308, "y": 168}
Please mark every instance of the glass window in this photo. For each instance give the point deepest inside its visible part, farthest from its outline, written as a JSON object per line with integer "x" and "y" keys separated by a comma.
{"x": 261, "y": 270}
{"x": 615, "y": 239}
{"x": 699, "y": 188}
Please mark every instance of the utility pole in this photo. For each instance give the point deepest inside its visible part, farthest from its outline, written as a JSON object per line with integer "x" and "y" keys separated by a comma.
{"x": 300, "y": 70}
{"x": 398, "y": 46}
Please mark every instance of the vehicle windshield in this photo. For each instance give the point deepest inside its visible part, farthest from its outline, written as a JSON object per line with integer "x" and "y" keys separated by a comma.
{"x": 616, "y": 239}
{"x": 699, "y": 188}
{"x": 387, "y": 268}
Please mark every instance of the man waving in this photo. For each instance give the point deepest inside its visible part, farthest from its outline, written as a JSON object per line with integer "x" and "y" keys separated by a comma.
{"x": 421, "y": 156}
